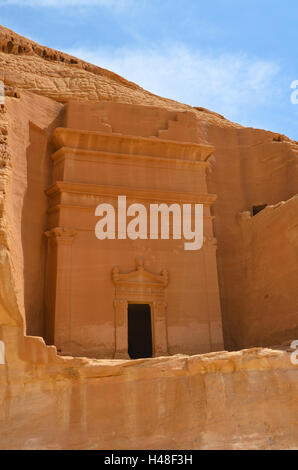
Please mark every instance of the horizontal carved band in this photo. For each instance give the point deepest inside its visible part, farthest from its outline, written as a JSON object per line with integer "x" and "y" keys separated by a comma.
{"x": 61, "y": 234}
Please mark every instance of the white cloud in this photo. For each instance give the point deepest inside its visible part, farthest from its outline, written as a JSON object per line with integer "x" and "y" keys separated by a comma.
{"x": 229, "y": 84}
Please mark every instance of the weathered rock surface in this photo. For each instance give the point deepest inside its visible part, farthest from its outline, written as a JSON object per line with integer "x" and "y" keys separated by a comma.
{"x": 236, "y": 400}
{"x": 241, "y": 400}
{"x": 29, "y": 66}
{"x": 252, "y": 168}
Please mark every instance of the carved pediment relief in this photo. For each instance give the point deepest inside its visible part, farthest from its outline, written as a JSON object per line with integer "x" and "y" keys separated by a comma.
{"x": 140, "y": 277}
{"x": 140, "y": 286}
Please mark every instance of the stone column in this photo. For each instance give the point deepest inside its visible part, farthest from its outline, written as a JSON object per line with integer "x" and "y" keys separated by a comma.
{"x": 160, "y": 338}
{"x": 121, "y": 329}
{"x": 213, "y": 299}
{"x": 58, "y": 285}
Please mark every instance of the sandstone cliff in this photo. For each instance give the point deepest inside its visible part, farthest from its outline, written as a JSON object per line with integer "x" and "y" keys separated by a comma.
{"x": 254, "y": 391}
{"x": 251, "y": 167}
{"x": 241, "y": 400}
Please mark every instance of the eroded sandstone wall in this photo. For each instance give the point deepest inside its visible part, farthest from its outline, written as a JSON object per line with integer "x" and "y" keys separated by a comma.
{"x": 30, "y": 120}
{"x": 224, "y": 400}
{"x": 252, "y": 167}
{"x": 243, "y": 400}
{"x": 270, "y": 258}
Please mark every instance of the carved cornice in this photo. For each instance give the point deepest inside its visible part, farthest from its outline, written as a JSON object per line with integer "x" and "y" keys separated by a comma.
{"x": 132, "y": 193}
{"x": 93, "y": 140}
{"x": 210, "y": 242}
{"x": 61, "y": 235}
{"x": 99, "y": 156}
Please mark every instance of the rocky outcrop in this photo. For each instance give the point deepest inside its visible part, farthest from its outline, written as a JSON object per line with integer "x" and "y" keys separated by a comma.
{"x": 241, "y": 400}
{"x": 269, "y": 258}
{"x": 223, "y": 400}
{"x": 59, "y": 76}
{"x": 253, "y": 168}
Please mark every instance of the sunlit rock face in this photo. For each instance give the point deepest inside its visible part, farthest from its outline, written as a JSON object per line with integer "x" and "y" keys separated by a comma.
{"x": 73, "y": 136}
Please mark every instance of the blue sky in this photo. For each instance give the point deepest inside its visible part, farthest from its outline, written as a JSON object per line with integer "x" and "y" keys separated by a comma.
{"x": 236, "y": 57}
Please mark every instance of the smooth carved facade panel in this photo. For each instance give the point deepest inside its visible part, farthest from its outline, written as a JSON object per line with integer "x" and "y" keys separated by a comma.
{"x": 86, "y": 305}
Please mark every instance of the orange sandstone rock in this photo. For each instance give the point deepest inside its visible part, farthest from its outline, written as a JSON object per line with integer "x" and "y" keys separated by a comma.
{"x": 49, "y": 401}
{"x": 240, "y": 400}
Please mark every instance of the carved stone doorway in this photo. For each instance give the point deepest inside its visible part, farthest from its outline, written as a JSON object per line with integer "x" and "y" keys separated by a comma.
{"x": 140, "y": 287}
{"x": 139, "y": 331}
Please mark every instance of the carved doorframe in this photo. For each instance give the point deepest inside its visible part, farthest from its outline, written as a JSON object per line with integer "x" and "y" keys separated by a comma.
{"x": 143, "y": 287}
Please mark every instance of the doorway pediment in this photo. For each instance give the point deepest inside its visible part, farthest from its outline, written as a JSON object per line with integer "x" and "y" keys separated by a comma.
{"x": 140, "y": 277}
{"x": 140, "y": 287}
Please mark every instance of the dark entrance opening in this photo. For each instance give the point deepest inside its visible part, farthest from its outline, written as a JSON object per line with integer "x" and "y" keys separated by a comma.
{"x": 139, "y": 331}
{"x": 257, "y": 209}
